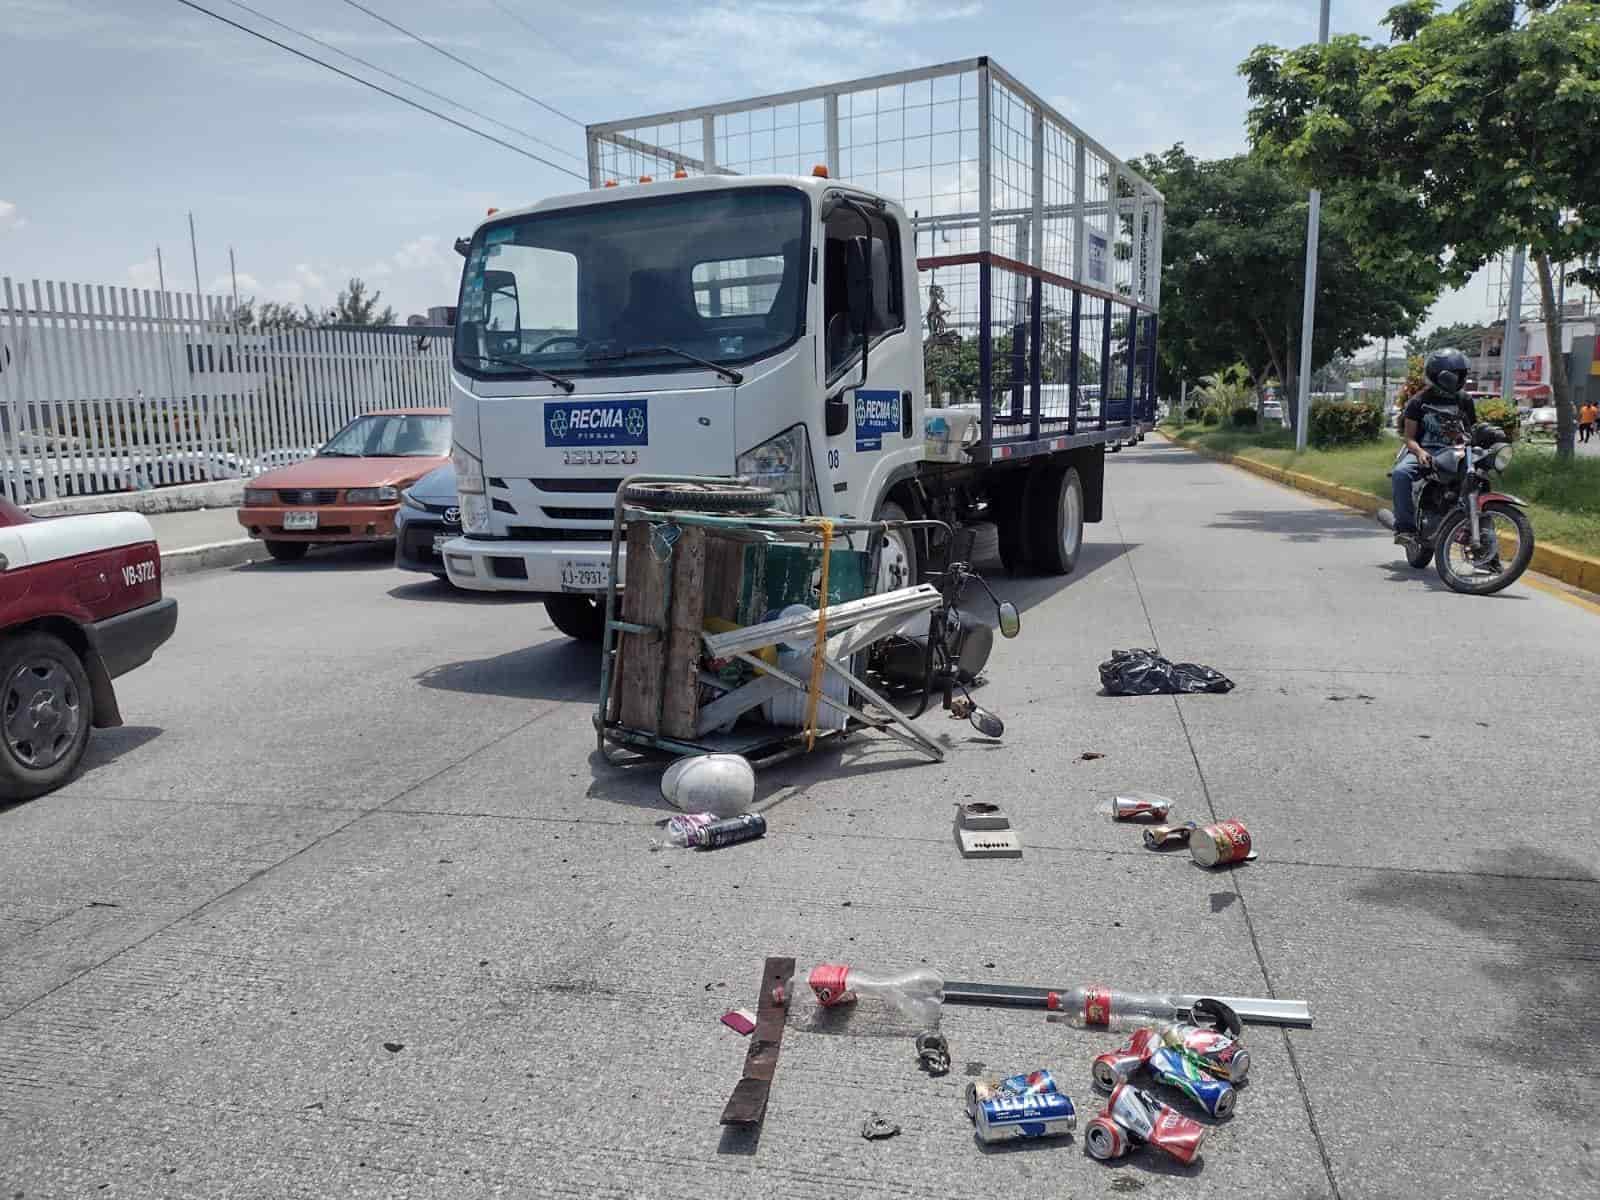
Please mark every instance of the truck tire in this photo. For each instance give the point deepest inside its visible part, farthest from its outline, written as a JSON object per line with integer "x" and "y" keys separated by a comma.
{"x": 1009, "y": 507}
{"x": 700, "y": 497}
{"x": 1055, "y": 519}
{"x": 288, "y": 551}
{"x": 580, "y": 616}
{"x": 46, "y": 709}
{"x": 899, "y": 565}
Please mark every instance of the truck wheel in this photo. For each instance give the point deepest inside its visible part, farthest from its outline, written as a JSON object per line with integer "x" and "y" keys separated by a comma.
{"x": 1055, "y": 520}
{"x": 1010, "y": 507}
{"x": 579, "y": 616}
{"x": 46, "y": 709}
{"x": 288, "y": 551}
{"x": 897, "y": 566}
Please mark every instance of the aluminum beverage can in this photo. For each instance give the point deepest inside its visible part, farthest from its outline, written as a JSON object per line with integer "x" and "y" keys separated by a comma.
{"x": 1103, "y": 1138}
{"x": 1213, "y": 1052}
{"x": 1117, "y": 1066}
{"x": 1034, "y": 1083}
{"x": 1172, "y": 1068}
{"x": 1169, "y": 835}
{"x": 1140, "y": 805}
{"x": 744, "y": 828}
{"x": 1224, "y": 842}
{"x": 1146, "y": 1119}
{"x": 1005, "y": 1116}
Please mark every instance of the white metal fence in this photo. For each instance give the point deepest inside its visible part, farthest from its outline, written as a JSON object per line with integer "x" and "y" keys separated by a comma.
{"x": 107, "y": 389}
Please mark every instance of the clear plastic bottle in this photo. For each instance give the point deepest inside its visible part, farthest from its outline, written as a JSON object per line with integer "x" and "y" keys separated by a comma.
{"x": 917, "y": 995}
{"x": 1100, "y": 1007}
{"x": 685, "y": 830}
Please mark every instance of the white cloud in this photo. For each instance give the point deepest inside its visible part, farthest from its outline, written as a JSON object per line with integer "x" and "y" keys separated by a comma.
{"x": 10, "y": 218}
{"x": 222, "y": 285}
{"x": 144, "y": 274}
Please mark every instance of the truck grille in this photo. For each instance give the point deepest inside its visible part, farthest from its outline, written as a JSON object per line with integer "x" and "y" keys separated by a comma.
{"x": 576, "y": 514}
{"x": 309, "y": 496}
{"x": 576, "y": 485}
{"x": 542, "y": 533}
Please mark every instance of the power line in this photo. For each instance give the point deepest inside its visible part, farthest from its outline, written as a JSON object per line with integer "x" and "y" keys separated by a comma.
{"x": 456, "y": 58}
{"x": 432, "y": 112}
{"x": 534, "y": 29}
{"x": 372, "y": 66}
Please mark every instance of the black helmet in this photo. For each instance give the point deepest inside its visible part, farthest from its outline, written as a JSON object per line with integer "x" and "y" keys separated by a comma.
{"x": 1447, "y": 370}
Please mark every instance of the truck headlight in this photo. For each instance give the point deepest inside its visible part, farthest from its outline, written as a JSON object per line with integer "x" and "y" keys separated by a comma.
{"x": 469, "y": 471}
{"x": 783, "y": 463}
{"x": 474, "y": 513}
{"x": 372, "y": 495}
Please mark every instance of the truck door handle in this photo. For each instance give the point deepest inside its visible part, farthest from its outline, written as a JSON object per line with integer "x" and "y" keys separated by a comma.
{"x": 835, "y": 415}
{"x": 905, "y": 414}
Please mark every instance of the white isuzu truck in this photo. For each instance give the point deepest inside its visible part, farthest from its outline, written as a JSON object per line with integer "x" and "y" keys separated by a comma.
{"x": 924, "y": 294}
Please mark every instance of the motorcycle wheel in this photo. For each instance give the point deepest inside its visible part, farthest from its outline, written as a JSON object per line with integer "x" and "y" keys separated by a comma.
{"x": 1459, "y": 569}
{"x": 1419, "y": 555}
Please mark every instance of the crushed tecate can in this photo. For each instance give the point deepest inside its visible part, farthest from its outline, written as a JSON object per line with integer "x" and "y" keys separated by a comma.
{"x": 1133, "y": 1115}
{"x": 1140, "y": 806}
{"x": 1005, "y": 1115}
{"x": 1216, "y": 845}
{"x": 1158, "y": 836}
{"x": 1034, "y": 1083}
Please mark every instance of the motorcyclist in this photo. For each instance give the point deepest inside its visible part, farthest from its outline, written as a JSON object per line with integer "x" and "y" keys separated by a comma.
{"x": 1436, "y": 418}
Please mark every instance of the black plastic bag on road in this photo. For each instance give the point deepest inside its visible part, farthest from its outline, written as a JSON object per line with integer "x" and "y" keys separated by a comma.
{"x": 1146, "y": 673}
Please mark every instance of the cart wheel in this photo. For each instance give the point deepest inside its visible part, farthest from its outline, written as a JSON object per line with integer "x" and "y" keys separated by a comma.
{"x": 700, "y": 497}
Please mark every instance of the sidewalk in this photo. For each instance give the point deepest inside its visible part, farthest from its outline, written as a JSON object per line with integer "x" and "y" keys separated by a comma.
{"x": 201, "y": 539}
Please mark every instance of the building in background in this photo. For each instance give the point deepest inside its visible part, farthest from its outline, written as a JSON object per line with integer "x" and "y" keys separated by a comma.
{"x": 1531, "y": 371}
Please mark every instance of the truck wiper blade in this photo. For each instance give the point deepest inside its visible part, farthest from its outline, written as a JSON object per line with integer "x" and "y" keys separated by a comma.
{"x": 565, "y": 385}
{"x": 728, "y": 373}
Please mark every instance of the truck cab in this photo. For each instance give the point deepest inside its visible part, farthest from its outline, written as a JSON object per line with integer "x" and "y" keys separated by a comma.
{"x": 762, "y": 326}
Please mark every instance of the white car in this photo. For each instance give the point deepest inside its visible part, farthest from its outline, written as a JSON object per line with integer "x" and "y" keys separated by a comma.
{"x": 1541, "y": 421}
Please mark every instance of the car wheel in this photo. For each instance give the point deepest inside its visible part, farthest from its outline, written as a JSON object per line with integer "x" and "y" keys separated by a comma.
{"x": 581, "y": 616}
{"x": 288, "y": 551}
{"x": 46, "y": 709}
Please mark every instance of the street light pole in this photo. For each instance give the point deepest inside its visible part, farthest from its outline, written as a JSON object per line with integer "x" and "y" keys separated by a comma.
{"x": 1309, "y": 312}
{"x": 1509, "y": 347}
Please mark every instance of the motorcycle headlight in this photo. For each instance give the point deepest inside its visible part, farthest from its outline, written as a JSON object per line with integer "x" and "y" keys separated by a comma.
{"x": 255, "y": 497}
{"x": 1502, "y": 457}
{"x": 372, "y": 495}
{"x": 783, "y": 463}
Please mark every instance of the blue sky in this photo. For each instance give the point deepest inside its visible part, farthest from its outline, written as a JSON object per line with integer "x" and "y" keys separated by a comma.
{"x": 123, "y": 115}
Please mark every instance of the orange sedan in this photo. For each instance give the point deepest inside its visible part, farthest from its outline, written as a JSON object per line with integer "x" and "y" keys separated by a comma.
{"x": 350, "y": 490}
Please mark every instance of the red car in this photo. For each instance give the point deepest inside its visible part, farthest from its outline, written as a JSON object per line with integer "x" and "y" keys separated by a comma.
{"x": 349, "y": 491}
{"x": 80, "y": 604}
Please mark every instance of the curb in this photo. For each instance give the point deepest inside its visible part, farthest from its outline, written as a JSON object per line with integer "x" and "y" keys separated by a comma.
{"x": 211, "y": 556}
{"x": 183, "y": 497}
{"x": 1566, "y": 566}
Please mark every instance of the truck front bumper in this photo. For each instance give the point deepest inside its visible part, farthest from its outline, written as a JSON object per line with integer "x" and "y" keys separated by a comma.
{"x": 544, "y": 568}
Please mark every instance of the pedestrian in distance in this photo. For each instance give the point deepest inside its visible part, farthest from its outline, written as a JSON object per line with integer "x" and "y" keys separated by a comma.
{"x": 1588, "y": 417}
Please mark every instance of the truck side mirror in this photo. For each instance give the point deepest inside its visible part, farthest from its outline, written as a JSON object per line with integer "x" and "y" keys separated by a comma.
{"x": 858, "y": 284}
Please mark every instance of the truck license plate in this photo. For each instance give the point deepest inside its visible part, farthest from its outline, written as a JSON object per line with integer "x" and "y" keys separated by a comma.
{"x": 299, "y": 520}
{"x": 584, "y": 576}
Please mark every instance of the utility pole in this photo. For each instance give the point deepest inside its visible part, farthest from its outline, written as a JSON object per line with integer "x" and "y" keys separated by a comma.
{"x": 1309, "y": 313}
{"x": 1510, "y": 347}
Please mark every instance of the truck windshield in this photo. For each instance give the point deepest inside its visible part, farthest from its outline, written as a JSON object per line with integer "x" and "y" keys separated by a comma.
{"x": 719, "y": 276}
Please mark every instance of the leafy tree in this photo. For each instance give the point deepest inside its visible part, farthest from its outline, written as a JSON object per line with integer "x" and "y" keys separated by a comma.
{"x": 1463, "y": 335}
{"x": 272, "y": 315}
{"x": 1233, "y": 270}
{"x": 1473, "y": 130}
{"x": 355, "y": 307}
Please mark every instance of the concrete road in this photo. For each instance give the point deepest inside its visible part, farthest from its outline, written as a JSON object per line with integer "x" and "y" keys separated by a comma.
{"x": 350, "y": 908}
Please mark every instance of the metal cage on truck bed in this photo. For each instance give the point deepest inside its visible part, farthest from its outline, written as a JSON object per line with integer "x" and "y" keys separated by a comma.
{"x": 1039, "y": 251}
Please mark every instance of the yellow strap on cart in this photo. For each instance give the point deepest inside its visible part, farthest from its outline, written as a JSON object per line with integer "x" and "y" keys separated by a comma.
{"x": 814, "y": 691}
